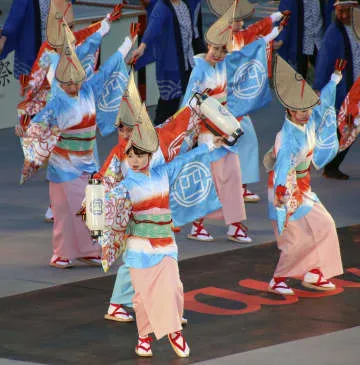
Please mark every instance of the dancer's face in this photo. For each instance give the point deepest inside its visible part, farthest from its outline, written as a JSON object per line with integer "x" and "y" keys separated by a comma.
{"x": 72, "y": 89}
{"x": 343, "y": 13}
{"x": 138, "y": 163}
{"x": 124, "y": 132}
{"x": 300, "y": 117}
{"x": 215, "y": 54}
{"x": 237, "y": 25}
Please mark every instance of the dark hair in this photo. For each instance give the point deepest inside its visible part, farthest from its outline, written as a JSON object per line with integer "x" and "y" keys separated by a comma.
{"x": 137, "y": 151}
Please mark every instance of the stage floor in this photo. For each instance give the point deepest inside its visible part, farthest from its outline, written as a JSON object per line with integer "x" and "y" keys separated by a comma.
{"x": 226, "y": 302}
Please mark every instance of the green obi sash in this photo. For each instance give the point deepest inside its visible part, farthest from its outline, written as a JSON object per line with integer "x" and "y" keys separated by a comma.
{"x": 302, "y": 169}
{"x": 79, "y": 142}
{"x": 151, "y": 225}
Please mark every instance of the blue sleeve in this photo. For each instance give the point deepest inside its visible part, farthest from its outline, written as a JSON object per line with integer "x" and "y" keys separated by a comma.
{"x": 15, "y": 19}
{"x": 90, "y": 45}
{"x": 86, "y": 52}
{"x": 283, "y": 164}
{"x": 108, "y": 85}
{"x": 113, "y": 63}
{"x": 325, "y": 121}
{"x": 194, "y": 85}
{"x": 174, "y": 167}
{"x": 330, "y": 50}
{"x": 156, "y": 25}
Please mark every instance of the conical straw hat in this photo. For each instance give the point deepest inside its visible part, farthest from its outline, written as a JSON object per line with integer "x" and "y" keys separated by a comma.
{"x": 243, "y": 9}
{"x": 355, "y": 21}
{"x": 68, "y": 33}
{"x": 54, "y": 28}
{"x": 69, "y": 69}
{"x": 291, "y": 89}
{"x": 65, "y": 8}
{"x": 144, "y": 135}
{"x": 220, "y": 33}
{"x": 130, "y": 104}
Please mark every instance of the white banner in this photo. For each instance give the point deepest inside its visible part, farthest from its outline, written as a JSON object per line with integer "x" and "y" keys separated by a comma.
{"x": 9, "y": 93}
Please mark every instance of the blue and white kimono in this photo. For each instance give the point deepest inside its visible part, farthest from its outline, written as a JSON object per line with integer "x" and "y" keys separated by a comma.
{"x": 296, "y": 147}
{"x": 230, "y": 81}
{"x": 67, "y": 125}
{"x": 163, "y": 191}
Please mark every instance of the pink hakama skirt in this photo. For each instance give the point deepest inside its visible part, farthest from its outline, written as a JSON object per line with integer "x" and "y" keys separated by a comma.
{"x": 159, "y": 298}
{"x": 226, "y": 174}
{"x": 71, "y": 238}
{"x": 310, "y": 242}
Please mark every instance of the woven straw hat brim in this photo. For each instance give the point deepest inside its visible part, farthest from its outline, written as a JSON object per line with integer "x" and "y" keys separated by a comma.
{"x": 144, "y": 135}
{"x": 54, "y": 29}
{"x": 220, "y": 7}
{"x": 290, "y": 87}
{"x": 69, "y": 69}
{"x": 65, "y": 8}
{"x": 130, "y": 104}
{"x": 220, "y": 32}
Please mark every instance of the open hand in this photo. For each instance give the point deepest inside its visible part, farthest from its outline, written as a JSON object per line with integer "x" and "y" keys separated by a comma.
{"x": 137, "y": 53}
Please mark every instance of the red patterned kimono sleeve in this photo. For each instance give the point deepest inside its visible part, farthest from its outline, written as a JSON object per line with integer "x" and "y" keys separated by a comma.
{"x": 173, "y": 132}
{"x": 254, "y": 31}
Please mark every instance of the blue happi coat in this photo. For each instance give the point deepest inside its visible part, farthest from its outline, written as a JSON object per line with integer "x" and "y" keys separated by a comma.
{"x": 336, "y": 44}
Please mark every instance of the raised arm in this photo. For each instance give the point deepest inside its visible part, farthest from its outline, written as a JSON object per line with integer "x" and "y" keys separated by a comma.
{"x": 108, "y": 86}
{"x": 258, "y": 29}
{"x": 114, "y": 63}
{"x": 196, "y": 84}
{"x": 325, "y": 124}
{"x": 87, "y": 49}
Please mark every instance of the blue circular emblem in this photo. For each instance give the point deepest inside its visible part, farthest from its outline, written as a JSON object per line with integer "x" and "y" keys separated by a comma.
{"x": 249, "y": 80}
{"x": 193, "y": 185}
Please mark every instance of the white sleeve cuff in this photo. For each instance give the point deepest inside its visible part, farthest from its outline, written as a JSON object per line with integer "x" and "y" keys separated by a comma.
{"x": 272, "y": 35}
{"x": 105, "y": 27}
{"x": 276, "y": 17}
{"x": 336, "y": 78}
{"x": 125, "y": 47}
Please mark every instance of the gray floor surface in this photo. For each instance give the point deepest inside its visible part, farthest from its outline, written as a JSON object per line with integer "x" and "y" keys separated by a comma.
{"x": 338, "y": 348}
